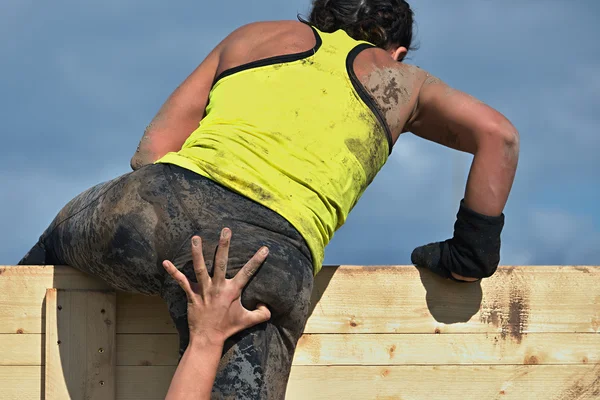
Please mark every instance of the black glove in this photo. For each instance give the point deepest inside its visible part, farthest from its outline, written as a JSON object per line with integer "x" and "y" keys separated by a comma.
{"x": 473, "y": 252}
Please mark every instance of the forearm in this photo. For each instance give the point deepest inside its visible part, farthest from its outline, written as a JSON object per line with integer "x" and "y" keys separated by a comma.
{"x": 154, "y": 144}
{"x": 144, "y": 154}
{"x": 158, "y": 141}
{"x": 167, "y": 132}
{"x": 195, "y": 375}
{"x": 491, "y": 177}
{"x": 492, "y": 173}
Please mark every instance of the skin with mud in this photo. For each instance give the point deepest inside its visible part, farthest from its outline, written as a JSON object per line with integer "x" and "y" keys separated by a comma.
{"x": 123, "y": 229}
{"x": 409, "y": 98}
{"x": 393, "y": 86}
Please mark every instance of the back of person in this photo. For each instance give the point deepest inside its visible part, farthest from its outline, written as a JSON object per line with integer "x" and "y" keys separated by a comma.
{"x": 276, "y": 135}
{"x": 300, "y": 121}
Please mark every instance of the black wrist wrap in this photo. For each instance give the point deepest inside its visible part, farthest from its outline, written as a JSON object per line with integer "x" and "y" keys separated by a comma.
{"x": 474, "y": 251}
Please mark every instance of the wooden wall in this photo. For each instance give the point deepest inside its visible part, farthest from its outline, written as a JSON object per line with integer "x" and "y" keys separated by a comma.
{"x": 393, "y": 332}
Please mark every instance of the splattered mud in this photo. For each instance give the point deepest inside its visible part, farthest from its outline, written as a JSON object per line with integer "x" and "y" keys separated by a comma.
{"x": 509, "y": 311}
{"x": 120, "y": 231}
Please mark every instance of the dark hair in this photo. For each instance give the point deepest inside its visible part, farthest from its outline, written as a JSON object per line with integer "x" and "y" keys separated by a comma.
{"x": 384, "y": 23}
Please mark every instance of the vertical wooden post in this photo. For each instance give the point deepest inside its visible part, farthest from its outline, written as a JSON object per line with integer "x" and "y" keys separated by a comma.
{"x": 80, "y": 345}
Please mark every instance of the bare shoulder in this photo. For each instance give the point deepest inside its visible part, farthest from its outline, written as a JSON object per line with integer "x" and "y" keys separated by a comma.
{"x": 393, "y": 85}
{"x": 259, "y": 28}
{"x": 263, "y": 39}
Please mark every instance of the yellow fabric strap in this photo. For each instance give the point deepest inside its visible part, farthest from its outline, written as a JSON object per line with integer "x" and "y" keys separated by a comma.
{"x": 293, "y": 134}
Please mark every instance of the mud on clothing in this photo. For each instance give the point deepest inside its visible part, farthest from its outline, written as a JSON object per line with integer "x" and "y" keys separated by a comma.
{"x": 296, "y": 133}
{"x": 120, "y": 231}
{"x": 287, "y": 147}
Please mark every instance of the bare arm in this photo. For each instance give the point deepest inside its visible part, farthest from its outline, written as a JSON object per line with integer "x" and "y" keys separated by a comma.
{"x": 454, "y": 119}
{"x": 215, "y": 312}
{"x": 179, "y": 115}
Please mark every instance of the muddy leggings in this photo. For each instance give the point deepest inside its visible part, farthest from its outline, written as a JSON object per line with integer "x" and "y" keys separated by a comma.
{"x": 120, "y": 231}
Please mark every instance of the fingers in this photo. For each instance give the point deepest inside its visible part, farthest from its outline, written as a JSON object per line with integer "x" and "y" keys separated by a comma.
{"x": 222, "y": 256}
{"x": 417, "y": 257}
{"x": 199, "y": 264}
{"x": 242, "y": 278}
{"x": 429, "y": 256}
{"x": 258, "y": 316}
{"x": 179, "y": 277}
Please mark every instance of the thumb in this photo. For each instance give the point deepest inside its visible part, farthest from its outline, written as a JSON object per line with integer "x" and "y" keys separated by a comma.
{"x": 426, "y": 256}
{"x": 260, "y": 315}
{"x": 429, "y": 256}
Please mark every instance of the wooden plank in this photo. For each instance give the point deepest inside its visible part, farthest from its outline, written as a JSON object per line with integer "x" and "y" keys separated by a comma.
{"x": 142, "y": 314}
{"x": 146, "y": 350}
{"x": 23, "y": 289}
{"x": 80, "y": 345}
{"x": 56, "y": 378}
{"x": 133, "y": 384}
{"x": 457, "y": 349}
{"x": 21, "y": 350}
{"x": 516, "y": 300}
{"x": 445, "y": 382}
{"x": 406, "y": 383}
{"x": 356, "y": 349}
{"x": 516, "y": 315}
{"x": 396, "y": 349}
{"x": 552, "y": 382}
{"x": 22, "y": 383}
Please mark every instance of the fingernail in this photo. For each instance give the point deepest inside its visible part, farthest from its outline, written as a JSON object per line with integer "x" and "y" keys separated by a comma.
{"x": 225, "y": 233}
{"x": 264, "y": 251}
{"x": 195, "y": 242}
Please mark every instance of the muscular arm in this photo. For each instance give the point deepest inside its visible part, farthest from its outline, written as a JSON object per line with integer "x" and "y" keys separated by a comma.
{"x": 179, "y": 115}
{"x": 454, "y": 119}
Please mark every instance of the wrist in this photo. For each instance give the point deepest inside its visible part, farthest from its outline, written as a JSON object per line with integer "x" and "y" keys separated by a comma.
{"x": 465, "y": 212}
{"x": 474, "y": 250}
{"x": 207, "y": 340}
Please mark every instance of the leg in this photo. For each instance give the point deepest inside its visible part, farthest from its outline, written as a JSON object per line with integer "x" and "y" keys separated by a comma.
{"x": 40, "y": 253}
{"x": 118, "y": 231}
{"x": 256, "y": 363}
{"x": 35, "y": 256}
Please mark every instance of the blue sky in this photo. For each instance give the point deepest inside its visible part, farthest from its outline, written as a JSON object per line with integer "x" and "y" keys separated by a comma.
{"x": 79, "y": 83}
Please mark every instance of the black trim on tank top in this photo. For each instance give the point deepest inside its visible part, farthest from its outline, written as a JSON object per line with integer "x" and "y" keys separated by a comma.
{"x": 362, "y": 92}
{"x": 285, "y": 58}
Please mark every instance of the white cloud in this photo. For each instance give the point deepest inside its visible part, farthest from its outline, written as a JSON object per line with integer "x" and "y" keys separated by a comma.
{"x": 552, "y": 236}
{"x": 34, "y": 197}
{"x": 554, "y": 228}
{"x": 108, "y": 66}
{"x": 515, "y": 256}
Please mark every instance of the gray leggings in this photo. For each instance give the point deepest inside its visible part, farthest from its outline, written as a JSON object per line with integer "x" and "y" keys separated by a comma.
{"x": 120, "y": 231}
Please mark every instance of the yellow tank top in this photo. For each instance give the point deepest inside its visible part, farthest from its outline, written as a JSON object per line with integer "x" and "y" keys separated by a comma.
{"x": 296, "y": 133}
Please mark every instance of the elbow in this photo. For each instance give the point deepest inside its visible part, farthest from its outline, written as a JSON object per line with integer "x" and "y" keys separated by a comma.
{"x": 144, "y": 155}
{"x": 511, "y": 144}
{"x": 138, "y": 161}
{"x": 134, "y": 163}
{"x": 511, "y": 138}
{"x": 502, "y": 135}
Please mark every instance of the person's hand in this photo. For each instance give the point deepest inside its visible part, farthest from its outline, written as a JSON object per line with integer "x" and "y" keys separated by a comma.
{"x": 215, "y": 310}
{"x": 429, "y": 257}
{"x": 473, "y": 253}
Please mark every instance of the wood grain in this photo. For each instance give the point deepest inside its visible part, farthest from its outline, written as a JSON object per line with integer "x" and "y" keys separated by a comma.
{"x": 80, "y": 352}
{"x": 548, "y": 382}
